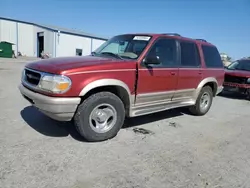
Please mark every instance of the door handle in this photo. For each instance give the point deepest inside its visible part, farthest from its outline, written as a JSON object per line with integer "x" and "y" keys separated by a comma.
{"x": 173, "y": 73}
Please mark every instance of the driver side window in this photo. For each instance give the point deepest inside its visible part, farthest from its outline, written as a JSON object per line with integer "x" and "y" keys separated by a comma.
{"x": 165, "y": 51}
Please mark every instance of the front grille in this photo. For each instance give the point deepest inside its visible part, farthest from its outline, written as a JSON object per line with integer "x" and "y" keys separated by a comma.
{"x": 32, "y": 77}
{"x": 235, "y": 79}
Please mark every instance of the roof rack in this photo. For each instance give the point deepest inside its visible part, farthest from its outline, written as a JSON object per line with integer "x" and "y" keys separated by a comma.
{"x": 203, "y": 40}
{"x": 175, "y": 34}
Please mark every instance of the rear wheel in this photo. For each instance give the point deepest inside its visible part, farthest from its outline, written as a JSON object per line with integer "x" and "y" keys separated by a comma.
{"x": 100, "y": 116}
{"x": 203, "y": 102}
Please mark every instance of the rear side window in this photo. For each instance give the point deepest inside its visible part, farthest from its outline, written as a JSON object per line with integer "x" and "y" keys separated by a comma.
{"x": 189, "y": 54}
{"x": 212, "y": 57}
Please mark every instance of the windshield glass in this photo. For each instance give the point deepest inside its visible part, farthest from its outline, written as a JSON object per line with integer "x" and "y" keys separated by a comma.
{"x": 123, "y": 46}
{"x": 240, "y": 65}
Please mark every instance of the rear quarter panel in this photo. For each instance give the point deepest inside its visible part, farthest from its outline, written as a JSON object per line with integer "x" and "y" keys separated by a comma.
{"x": 217, "y": 73}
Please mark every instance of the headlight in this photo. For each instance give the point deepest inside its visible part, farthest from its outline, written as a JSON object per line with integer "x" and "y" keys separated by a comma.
{"x": 248, "y": 80}
{"x": 55, "y": 83}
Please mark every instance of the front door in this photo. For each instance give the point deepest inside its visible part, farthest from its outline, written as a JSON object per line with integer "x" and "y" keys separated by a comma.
{"x": 190, "y": 72}
{"x": 157, "y": 83}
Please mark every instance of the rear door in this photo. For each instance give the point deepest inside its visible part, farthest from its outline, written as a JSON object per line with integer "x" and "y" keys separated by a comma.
{"x": 157, "y": 83}
{"x": 190, "y": 72}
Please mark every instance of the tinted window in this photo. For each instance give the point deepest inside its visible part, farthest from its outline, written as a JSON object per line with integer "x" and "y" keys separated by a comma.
{"x": 189, "y": 55}
{"x": 165, "y": 51}
{"x": 240, "y": 65}
{"x": 212, "y": 57}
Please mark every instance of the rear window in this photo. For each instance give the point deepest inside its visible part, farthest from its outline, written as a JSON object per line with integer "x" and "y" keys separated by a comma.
{"x": 212, "y": 57}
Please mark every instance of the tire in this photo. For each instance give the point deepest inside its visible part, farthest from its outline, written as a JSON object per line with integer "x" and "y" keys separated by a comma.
{"x": 95, "y": 110}
{"x": 248, "y": 94}
{"x": 197, "y": 109}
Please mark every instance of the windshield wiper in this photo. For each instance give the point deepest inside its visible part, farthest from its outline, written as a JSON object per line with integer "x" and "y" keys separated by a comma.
{"x": 112, "y": 54}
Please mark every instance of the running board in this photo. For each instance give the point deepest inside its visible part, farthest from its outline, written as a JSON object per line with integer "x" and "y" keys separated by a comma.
{"x": 144, "y": 110}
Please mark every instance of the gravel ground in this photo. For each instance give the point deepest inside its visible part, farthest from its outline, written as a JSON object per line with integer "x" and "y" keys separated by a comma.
{"x": 182, "y": 150}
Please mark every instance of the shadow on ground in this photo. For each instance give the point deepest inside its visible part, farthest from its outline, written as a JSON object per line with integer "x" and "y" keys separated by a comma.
{"x": 49, "y": 127}
{"x": 231, "y": 95}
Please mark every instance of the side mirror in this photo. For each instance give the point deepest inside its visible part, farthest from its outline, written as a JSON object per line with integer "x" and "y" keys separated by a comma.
{"x": 153, "y": 60}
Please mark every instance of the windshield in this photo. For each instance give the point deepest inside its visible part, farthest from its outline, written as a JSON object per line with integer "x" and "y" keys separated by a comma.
{"x": 240, "y": 65}
{"x": 123, "y": 46}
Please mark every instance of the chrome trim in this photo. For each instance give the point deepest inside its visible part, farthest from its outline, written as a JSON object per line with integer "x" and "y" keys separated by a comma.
{"x": 127, "y": 70}
{"x": 99, "y": 71}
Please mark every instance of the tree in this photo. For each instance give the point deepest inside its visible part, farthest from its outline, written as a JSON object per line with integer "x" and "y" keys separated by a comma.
{"x": 229, "y": 58}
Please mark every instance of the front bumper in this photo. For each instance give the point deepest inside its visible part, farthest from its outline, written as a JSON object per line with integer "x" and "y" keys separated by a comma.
{"x": 58, "y": 108}
{"x": 236, "y": 85}
{"x": 237, "y": 88}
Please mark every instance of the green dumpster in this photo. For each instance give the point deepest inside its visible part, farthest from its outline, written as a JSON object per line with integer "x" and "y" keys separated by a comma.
{"x": 6, "y": 49}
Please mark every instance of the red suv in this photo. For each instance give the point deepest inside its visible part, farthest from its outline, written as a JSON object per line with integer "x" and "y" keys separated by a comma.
{"x": 237, "y": 77}
{"x": 129, "y": 75}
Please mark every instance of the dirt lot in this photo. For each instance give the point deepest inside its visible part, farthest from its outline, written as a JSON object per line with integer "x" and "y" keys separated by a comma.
{"x": 183, "y": 151}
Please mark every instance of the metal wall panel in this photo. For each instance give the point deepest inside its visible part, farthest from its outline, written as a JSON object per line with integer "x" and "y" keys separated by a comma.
{"x": 26, "y": 39}
{"x": 66, "y": 45}
{"x": 8, "y": 33}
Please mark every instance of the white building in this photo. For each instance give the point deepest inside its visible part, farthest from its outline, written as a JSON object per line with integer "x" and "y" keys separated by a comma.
{"x": 31, "y": 39}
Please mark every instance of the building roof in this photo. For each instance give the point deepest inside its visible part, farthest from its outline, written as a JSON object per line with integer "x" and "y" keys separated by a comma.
{"x": 56, "y": 29}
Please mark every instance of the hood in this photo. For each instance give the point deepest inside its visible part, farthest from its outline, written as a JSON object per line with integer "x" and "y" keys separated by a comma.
{"x": 240, "y": 73}
{"x": 60, "y": 64}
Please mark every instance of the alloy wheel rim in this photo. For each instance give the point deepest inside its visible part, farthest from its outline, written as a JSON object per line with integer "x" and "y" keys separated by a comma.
{"x": 102, "y": 118}
{"x": 205, "y": 101}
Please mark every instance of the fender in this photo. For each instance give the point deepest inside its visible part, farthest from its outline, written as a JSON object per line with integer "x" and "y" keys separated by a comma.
{"x": 105, "y": 82}
{"x": 204, "y": 82}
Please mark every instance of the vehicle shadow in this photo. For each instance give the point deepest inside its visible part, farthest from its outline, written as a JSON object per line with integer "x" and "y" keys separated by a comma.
{"x": 48, "y": 127}
{"x": 231, "y": 95}
{"x": 140, "y": 120}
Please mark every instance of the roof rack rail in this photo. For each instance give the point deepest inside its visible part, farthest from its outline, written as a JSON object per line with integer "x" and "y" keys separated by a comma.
{"x": 203, "y": 40}
{"x": 175, "y": 34}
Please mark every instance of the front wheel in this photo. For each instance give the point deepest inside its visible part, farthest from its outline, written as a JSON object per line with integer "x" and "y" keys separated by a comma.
{"x": 203, "y": 102}
{"x": 100, "y": 116}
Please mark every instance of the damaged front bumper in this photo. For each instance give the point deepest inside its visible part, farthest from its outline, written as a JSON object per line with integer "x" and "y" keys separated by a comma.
{"x": 235, "y": 87}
